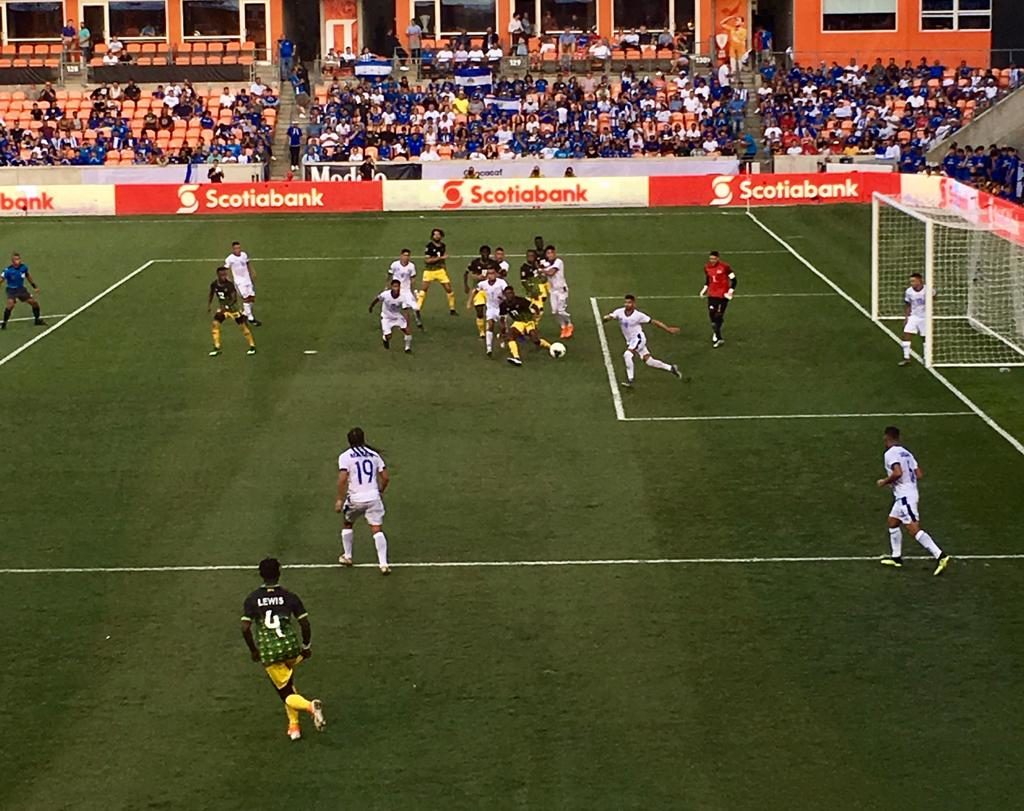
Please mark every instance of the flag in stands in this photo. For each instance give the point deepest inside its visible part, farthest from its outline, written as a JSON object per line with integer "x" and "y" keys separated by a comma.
{"x": 504, "y": 105}
{"x": 477, "y": 80}
{"x": 374, "y": 67}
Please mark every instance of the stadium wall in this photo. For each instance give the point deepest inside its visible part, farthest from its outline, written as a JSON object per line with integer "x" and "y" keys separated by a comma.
{"x": 103, "y": 175}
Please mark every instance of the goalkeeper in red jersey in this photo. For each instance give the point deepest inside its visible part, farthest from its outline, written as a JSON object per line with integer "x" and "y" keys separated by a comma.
{"x": 719, "y": 287}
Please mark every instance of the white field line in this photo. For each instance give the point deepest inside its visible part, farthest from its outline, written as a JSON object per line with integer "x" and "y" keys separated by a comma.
{"x": 724, "y": 418}
{"x": 498, "y": 564}
{"x": 956, "y": 392}
{"x": 123, "y": 280}
{"x": 613, "y": 383}
{"x": 382, "y": 257}
{"x": 744, "y": 296}
{"x": 32, "y": 317}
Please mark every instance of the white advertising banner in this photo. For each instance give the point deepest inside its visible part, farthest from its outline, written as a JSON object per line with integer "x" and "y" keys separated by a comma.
{"x": 588, "y": 167}
{"x": 56, "y": 201}
{"x": 539, "y": 193}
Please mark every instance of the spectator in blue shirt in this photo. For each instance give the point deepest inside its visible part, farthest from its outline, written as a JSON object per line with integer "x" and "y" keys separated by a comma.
{"x": 286, "y": 55}
{"x": 294, "y": 143}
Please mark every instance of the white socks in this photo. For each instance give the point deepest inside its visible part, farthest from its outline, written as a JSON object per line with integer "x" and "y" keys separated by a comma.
{"x": 654, "y": 363}
{"x": 346, "y": 541}
{"x": 926, "y": 541}
{"x": 408, "y": 340}
{"x": 906, "y": 349}
{"x": 490, "y": 339}
{"x": 627, "y": 356}
{"x": 247, "y": 309}
{"x": 896, "y": 542}
{"x": 381, "y": 542}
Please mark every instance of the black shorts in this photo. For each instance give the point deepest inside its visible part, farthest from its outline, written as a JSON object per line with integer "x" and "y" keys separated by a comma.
{"x": 18, "y": 293}
{"x": 716, "y": 306}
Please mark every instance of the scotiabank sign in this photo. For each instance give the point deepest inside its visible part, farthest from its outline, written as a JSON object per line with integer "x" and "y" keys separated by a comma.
{"x": 771, "y": 190}
{"x": 454, "y": 195}
{"x": 249, "y": 198}
{"x": 55, "y": 201}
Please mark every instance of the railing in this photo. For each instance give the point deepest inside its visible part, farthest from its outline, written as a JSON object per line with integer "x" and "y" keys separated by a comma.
{"x": 977, "y": 58}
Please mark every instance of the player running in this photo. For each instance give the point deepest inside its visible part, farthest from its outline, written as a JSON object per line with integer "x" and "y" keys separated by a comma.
{"x": 475, "y": 272}
{"x": 554, "y": 269}
{"x": 15, "y": 276}
{"x": 520, "y": 314}
{"x": 492, "y": 289}
{"x": 245, "y": 280}
{"x": 276, "y": 645}
{"x": 392, "y": 302}
{"x": 437, "y": 270}
{"x": 719, "y": 287}
{"x": 545, "y": 288}
{"x": 903, "y": 475}
{"x": 503, "y": 265}
{"x": 533, "y": 282}
{"x": 404, "y": 270}
{"x": 362, "y": 480}
{"x": 631, "y": 322}
{"x": 915, "y": 307}
{"x": 224, "y": 290}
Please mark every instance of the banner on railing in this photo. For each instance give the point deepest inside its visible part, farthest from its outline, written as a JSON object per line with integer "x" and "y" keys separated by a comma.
{"x": 770, "y": 190}
{"x": 56, "y": 201}
{"x": 591, "y": 167}
{"x": 538, "y": 193}
{"x": 373, "y": 67}
{"x": 250, "y": 198}
{"x": 350, "y": 171}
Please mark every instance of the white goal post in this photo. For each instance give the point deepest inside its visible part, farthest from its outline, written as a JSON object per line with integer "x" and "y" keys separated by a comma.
{"x": 974, "y": 276}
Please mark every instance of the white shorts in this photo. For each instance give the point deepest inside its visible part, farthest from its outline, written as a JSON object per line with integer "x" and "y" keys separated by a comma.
{"x": 559, "y": 300}
{"x": 493, "y": 313}
{"x": 638, "y": 345}
{"x": 915, "y": 326}
{"x": 244, "y": 287}
{"x": 408, "y": 291}
{"x": 389, "y": 323}
{"x": 904, "y": 509}
{"x": 373, "y": 512}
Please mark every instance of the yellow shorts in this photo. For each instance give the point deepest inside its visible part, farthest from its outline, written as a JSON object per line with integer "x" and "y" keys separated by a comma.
{"x": 281, "y": 672}
{"x": 479, "y": 299}
{"x": 545, "y": 290}
{"x": 524, "y": 327}
{"x": 436, "y": 276}
{"x": 538, "y": 303}
{"x": 229, "y": 315}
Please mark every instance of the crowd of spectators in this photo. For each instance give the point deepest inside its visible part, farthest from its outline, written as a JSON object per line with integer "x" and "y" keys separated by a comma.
{"x": 128, "y": 125}
{"x": 888, "y": 111}
{"x": 996, "y": 169}
{"x": 530, "y": 117}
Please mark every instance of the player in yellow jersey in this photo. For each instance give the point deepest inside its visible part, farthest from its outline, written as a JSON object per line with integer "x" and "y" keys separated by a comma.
{"x": 545, "y": 287}
{"x": 224, "y": 290}
{"x": 436, "y": 261}
{"x": 521, "y": 316}
{"x": 276, "y": 644}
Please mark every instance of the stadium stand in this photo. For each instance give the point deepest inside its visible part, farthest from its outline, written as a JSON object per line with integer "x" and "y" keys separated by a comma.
{"x": 111, "y": 125}
{"x": 995, "y": 169}
{"x": 883, "y": 110}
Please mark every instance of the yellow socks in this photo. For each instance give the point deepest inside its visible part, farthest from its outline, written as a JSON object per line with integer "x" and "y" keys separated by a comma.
{"x": 545, "y": 344}
{"x": 296, "y": 702}
{"x": 248, "y": 335}
{"x": 215, "y": 331}
{"x": 451, "y": 301}
{"x": 421, "y": 296}
{"x": 513, "y": 348}
{"x": 481, "y": 326}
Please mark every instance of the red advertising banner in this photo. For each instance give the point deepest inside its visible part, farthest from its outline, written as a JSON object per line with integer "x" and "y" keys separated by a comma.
{"x": 771, "y": 190}
{"x": 55, "y": 201}
{"x": 250, "y": 198}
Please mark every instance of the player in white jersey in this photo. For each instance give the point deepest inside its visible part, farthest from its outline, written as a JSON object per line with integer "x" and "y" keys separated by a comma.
{"x": 631, "y": 322}
{"x": 244, "y": 278}
{"x": 553, "y": 269}
{"x": 393, "y": 302}
{"x": 902, "y": 476}
{"x": 492, "y": 287}
{"x": 503, "y": 265}
{"x": 404, "y": 269}
{"x": 915, "y": 307}
{"x": 362, "y": 480}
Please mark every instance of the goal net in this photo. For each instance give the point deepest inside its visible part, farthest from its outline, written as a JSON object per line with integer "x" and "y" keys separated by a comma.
{"x": 975, "y": 277}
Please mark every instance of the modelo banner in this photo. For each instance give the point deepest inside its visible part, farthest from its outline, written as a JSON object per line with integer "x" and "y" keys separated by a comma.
{"x": 770, "y": 190}
{"x": 250, "y": 198}
{"x": 334, "y": 172}
{"x": 540, "y": 193}
{"x": 56, "y": 201}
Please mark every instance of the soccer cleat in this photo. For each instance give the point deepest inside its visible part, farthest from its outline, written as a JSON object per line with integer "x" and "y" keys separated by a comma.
{"x": 3, "y": 326}
{"x": 294, "y": 732}
{"x": 251, "y": 350}
{"x": 676, "y": 372}
{"x": 255, "y": 322}
{"x": 419, "y": 321}
{"x": 514, "y": 361}
{"x": 386, "y": 341}
{"x": 944, "y": 561}
{"x": 344, "y": 560}
{"x": 569, "y": 329}
{"x": 452, "y": 312}
{"x": 904, "y": 362}
{"x": 490, "y": 353}
{"x": 385, "y": 570}
{"x": 316, "y": 709}
{"x": 626, "y": 384}
{"x": 213, "y": 352}
{"x": 408, "y": 350}
{"x": 896, "y": 563}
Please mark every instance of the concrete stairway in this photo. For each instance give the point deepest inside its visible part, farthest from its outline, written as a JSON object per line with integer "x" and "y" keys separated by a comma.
{"x": 286, "y": 113}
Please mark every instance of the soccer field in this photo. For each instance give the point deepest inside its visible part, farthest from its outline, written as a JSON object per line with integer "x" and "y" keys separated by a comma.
{"x": 708, "y": 629}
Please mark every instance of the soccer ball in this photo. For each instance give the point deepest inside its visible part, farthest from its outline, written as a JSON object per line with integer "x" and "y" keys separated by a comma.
{"x": 557, "y": 350}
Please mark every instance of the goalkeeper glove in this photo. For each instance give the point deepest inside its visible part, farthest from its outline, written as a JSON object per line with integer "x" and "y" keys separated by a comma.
{"x": 704, "y": 290}
{"x": 729, "y": 293}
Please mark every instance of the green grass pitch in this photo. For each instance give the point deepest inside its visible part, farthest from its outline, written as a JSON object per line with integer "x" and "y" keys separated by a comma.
{"x": 822, "y": 683}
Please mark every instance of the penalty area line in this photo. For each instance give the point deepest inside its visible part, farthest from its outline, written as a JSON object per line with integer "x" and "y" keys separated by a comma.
{"x": 728, "y": 417}
{"x": 501, "y": 564}
{"x": 613, "y": 383}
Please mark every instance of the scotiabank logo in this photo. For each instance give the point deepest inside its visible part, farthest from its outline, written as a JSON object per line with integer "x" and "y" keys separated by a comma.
{"x": 40, "y": 201}
{"x": 459, "y": 193}
{"x": 192, "y": 198}
{"x": 750, "y": 189}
